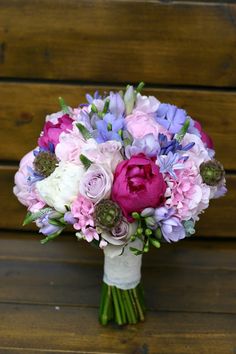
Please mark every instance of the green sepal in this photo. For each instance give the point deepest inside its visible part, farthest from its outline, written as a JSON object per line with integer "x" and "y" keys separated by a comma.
{"x": 56, "y": 222}
{"x": 84, "y": 131}
{"x": 65, "y": 109}
{"x": 155, "y": 242}
{"x": 51, "y": 237}
{"x": 106, "y": 106}
{"x": 94, "y": 108}
{"x": 135, "y": 251}
{"x": 30, "y": 217}
{"x": 85, "y": 161}
{"x": 140, "y": 87}
{"x": 180, "y": 135}
{"x": 158, "y": 233}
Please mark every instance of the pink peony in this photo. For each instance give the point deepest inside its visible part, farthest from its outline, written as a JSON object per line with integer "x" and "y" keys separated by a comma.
{"x": 138, "y": 184}
{"x": 69, "y": 146}
{"x": 26, "y": 193}
{"x": 140, "y": 124}
{"x": 205, "y": 138}
{"x": 187, "y": 194}
{"x": 51, "y": 131}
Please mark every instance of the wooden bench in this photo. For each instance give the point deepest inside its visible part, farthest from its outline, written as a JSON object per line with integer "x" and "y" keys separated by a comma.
{"x": 185, "y": 52}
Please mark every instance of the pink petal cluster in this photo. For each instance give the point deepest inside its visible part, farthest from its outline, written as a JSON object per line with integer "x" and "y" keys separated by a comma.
{"x": 187, "y": 194}
{"x": 52, "y": 131}
{"x": 25, "y": 192}
{"x": 82, "y": 209}
{"x": 140, "y": 124}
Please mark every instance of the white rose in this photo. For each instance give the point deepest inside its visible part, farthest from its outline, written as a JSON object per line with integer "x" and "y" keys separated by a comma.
{"x": 62, "y": 186}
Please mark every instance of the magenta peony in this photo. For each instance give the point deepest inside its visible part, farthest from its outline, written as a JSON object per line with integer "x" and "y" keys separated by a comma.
{"x": 138, "y": 184}
{"x": 51, "y": 132}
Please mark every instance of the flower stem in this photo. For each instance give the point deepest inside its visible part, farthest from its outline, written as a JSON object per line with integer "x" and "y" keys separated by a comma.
{"x": 139, "y": 307}
{"x": 116, "y": 306}
{"x": 122, "y": 308}
{"x": 104, "y": 312}
{"x": 133, "y": 318}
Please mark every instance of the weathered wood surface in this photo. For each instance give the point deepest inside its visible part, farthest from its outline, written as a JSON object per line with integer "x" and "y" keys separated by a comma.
{"x": 49, "y": 298}
{"x": 39, "y": 274}
{"x": 112, "y": 41}
{"x": 218, "y": 220}
{"x": 24, "y": 107}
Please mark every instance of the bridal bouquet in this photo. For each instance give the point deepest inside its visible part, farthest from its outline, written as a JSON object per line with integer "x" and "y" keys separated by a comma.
{"x": 127, "y": 173}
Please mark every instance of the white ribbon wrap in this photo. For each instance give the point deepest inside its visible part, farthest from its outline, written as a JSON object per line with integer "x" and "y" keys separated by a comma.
{"x": 124, "y": 271}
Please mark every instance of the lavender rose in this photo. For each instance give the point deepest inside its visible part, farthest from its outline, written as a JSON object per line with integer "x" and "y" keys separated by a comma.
{"x": 96, "y": 183}
{"x": 118, "y": 237}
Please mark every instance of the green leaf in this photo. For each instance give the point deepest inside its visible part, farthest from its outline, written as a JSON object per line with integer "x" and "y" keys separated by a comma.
{"x": 155, "y": 242}
{"x": 30, "y": 217}
{"x": 94, "y": 108}
{"x": 84, "y": 131}
{"x": 179, "y": 136}
{"x": 65, "y": 109}
{"x": 85, "y": 161}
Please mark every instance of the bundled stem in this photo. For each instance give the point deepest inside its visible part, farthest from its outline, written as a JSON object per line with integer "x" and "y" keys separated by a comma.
{"x": 121, "y": 306}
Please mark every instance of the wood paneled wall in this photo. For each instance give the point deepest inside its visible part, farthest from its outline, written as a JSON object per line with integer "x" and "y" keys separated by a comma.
{"x": 184, "y": 51}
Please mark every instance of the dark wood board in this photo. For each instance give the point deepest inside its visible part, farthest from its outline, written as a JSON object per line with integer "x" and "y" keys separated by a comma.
{"x": 122, "y": 40}
{"x": 77, "y": 329}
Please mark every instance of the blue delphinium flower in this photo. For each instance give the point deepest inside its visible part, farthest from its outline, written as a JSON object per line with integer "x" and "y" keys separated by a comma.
{"x": 116, "y": 105}
{"x": 147, "y": 145}
{"x": 109, "y": 128}
{"x": 46, "y": 227}
{"x": 90, "y": 98}
{"x": 170, "y": 162}
{"x": 33, "y": 176}
{"x": 171, "y": 117}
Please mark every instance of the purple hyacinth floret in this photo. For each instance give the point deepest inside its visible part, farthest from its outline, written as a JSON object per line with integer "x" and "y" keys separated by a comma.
{"x": 171, "y": 117}
{"x": 33, "y": 176}
{"x": 44, "y": 224}
{"x": 109, "y": 128}
{"x": 90, "y": 98}
{"x": 171, "y": 227}
{"x": 116, "y": 105}
{"x": 148, "y": 145}
{"x": 171, "y": 145}
{"x": 171, "y": 162}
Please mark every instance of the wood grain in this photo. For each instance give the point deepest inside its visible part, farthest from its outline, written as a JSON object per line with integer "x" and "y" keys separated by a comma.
{"x": 77, "y": 329}
{"x": 218, "y": 220}
{"x": 24, "y": 107}
{"x": 193, "y": 252}
{"x": 116, "y": 41}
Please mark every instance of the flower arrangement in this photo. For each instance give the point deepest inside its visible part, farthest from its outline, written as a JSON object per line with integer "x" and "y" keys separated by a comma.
{"x": 127, "y": 172}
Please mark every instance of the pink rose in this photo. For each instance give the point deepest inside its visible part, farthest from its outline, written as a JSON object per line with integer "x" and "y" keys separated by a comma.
{"x": 140, "y": 124}
{"x": 138, "y": 184}
{"x": 26, "y": 193}
{"x": 205, "y": 138}
{"x": 51, "y": 132}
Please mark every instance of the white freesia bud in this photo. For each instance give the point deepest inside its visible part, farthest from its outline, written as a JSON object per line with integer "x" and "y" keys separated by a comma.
{"x": 129, "y": 99}
{"x": 62, "y": 186}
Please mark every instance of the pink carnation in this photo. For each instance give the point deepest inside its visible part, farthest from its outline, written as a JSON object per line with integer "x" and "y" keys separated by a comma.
{"x": 187, "y": 194}
{"x": 140, "y": 124}
{"x": 26, "y": 193}
{"x": 51, "y": 131}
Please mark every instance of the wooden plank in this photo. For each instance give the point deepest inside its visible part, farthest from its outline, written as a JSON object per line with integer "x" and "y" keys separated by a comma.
{"x": 141, "y": 36}
{"x": 77, "y": 329}
{"x": 24, "y": 107}
{"x": 192, "y": 253}
{"x": 213, "y": 222}
{"x": 195, "y": 289}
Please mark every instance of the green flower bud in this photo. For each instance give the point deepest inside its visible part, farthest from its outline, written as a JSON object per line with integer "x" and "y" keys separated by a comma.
{"x": 45, "y": 163}
{"x": 107, "y": 214}
{"x": 212, "y": 172}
